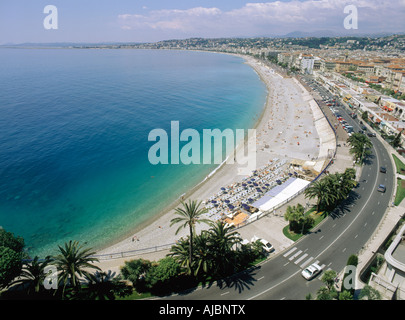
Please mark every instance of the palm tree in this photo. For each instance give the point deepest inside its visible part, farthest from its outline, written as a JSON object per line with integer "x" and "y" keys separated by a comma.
{"x": 294, "y": 215}
{"x": 202, "y": 255}
{"x": 221, "y": 239}
{"x": 349, "y": 180}
{"x": 320, "y": 190}
{"x": 72, "y": 263}
{"x": 297, "y": 219}
{"x": 180, "y": 252}
{"x": 360, "y": 145}
{"x": 189, "y": 215}
{"x": 336, "y": 192}
{"x": 33, "y": 275}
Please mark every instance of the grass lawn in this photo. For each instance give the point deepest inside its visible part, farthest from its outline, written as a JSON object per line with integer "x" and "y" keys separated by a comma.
{"x": 399, "y": 164}
{"x": 400, "y": 194}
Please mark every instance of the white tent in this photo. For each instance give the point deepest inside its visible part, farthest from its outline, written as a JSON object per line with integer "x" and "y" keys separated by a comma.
{"x": 284, "y": 194}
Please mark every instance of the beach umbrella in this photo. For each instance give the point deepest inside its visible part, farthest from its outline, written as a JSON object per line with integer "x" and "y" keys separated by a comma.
{"x": 223, "y": 188}
{"x": 267, "y": 184}
{"x": 214, "y": 201}
{"x": 227, "y": 201}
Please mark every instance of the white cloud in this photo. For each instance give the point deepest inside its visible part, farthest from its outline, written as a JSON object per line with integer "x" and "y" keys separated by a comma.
{"x": 270, "y": 18}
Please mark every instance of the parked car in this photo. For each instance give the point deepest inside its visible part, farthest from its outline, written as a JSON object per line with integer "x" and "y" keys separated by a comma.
{"x": 312, "y": 271}
{"x": 383, "y": 169}
{"x": 266, "y": 245}
{"x": 371, "y": 134}
{"x": 381, "y": 188}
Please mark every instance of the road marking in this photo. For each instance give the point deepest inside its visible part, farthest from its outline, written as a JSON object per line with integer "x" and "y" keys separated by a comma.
{"x": 321, "y": 238}
{"x": 295, "y": 255}
{"x": 344, "y": 250}
{"x": 289, "y": 252}
{"x": 222, "y": 294}
{"x": 306, "y": 262}
{"x": 334, "y": 225}
{"x": 260, "y": 278}
{"x": 286, "y": 264}
{"x": 365, "y": 224}
{"x": 356, "y": 236}
{"x": 301, "y": 258}
{"x": 327, "y": 248}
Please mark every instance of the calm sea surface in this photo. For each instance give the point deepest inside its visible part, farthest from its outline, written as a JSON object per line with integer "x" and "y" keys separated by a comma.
{"x": 74, "y": 128}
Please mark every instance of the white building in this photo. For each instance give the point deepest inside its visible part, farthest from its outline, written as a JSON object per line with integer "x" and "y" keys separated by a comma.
{"x": 306, "y": 63}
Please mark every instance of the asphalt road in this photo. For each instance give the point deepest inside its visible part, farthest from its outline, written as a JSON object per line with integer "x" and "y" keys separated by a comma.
{"x": 342, "y": 234}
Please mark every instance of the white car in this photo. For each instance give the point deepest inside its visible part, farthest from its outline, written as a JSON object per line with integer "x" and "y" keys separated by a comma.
{"x": 266, "y": 245}
{"x": 312, "y": 271}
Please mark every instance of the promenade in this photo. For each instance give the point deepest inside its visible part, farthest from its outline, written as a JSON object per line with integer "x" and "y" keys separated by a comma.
{"x": 270, "y": 226}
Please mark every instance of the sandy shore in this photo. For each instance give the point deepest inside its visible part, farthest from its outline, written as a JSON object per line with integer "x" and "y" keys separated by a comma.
{"x": 285, "y": 130}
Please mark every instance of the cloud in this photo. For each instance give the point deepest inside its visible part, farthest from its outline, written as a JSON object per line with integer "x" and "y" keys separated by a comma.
{"x": 274, "y": 17}
{"x": 181, "y": 20}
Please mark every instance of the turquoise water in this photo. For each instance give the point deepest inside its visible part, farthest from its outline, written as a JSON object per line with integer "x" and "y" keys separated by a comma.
{"x": 74, "y": 128}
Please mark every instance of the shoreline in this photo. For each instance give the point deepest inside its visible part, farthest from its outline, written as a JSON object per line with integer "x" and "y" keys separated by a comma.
{"x": 150, "y": 232}
{"x": 211, "y": 175}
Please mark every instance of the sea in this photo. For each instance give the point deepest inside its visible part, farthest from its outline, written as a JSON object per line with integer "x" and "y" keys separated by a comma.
{"x": 74, "y": 128}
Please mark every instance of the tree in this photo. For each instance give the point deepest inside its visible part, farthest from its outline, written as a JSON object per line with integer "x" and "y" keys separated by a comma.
{"x": 104, "y": 286}
{"x": 189, "y": 215}
{"x": 360, "y": 145}
{"x": 221, "y": 240}
{"x": 161, "y": 275}
{"x": 319, "y": 189}
{"x": 10, "y": 266}
{"x": 7, "y": 239}
{"x": 294, "y": 215}
{"x": 397, "y": 141}
{"x": 11, "y": 254}
{"x": 203, "y": 256}
{"x": 369, "y": 293}
{"x": 180, "y": 252}
{"x": 328, "y": 292}
{"x": 329, "y": 279}
{"x": 135, "y": 271}
{"x": 298, "y": 221}
{"x": 345, "y": 295}
{"x": 33, "y": 275}
{"x": 72, "y": 263}
{"x": 364, "y": 115}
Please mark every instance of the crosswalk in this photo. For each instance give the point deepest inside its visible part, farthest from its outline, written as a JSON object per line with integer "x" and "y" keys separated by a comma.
{"x": 300, "y": 258}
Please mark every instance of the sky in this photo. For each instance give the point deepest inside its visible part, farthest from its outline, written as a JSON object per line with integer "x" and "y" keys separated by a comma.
{"x": 97, "y": 21}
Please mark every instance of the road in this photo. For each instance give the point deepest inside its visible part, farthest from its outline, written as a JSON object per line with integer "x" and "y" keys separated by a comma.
{"x": 342, "y": 234}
